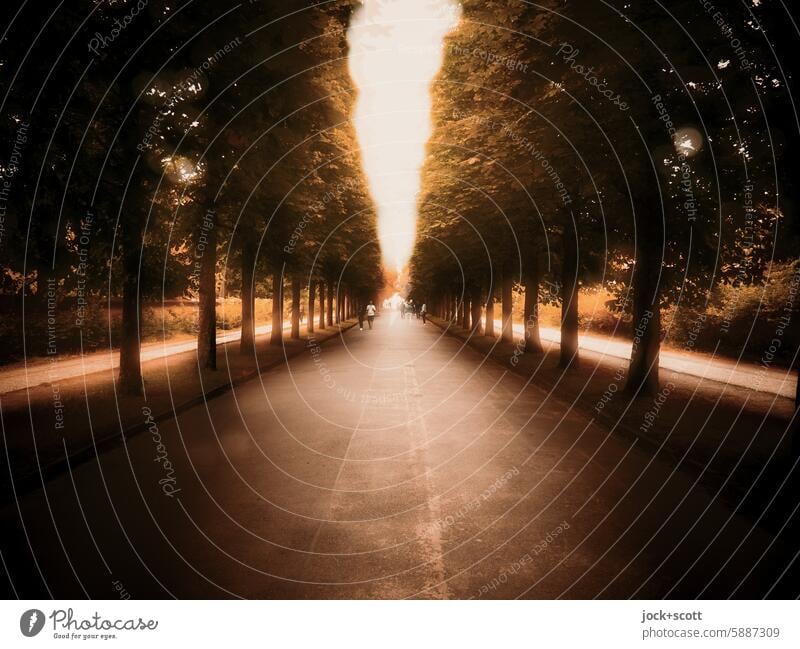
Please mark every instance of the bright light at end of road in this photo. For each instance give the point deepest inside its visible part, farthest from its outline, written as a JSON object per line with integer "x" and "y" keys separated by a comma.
{"x": 395, "y": 51}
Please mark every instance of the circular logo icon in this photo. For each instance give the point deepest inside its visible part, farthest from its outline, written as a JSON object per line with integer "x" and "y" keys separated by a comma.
{"x": 31, "y": 622}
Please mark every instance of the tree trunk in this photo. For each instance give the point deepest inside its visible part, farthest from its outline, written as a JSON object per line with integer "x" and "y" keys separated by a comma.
{"x": 132, "y": 230}
{"x": 488, "y": 329}
{"x": 330, "y": 304}
{"x": 797, "y": 387}
{"x": 312, "y": 287}
{"x": 296, "y": 288}
{"x": 533, "y": 343}
{"x": 643, "y": 369}
{"x": 475, "y": 302}
{"x": 321, "y": 305}
{"x": 462, "y": 315}
{"x": 338, "y": 310}
{"x": 248, "y": 340}
{"x": 507, "y": 297}
{"x": 276, "y": 337}
{"x": 207, "y": 321}
{"x": 569, "y": 292}
{"x": 796, "y": 423}
{"x": 130, "y": 367}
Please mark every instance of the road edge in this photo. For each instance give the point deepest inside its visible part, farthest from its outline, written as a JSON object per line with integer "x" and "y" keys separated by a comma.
{"x": 24, "y": 485}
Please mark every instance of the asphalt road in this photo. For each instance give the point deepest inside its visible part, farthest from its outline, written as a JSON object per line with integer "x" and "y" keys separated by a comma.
{"x": 390, "y": 463}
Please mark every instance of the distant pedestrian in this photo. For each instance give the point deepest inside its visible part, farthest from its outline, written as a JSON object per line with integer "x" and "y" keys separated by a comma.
{"x": 424, "y": 312}
{"x": 361, "y": 318}
{"x": 371, "y": 313}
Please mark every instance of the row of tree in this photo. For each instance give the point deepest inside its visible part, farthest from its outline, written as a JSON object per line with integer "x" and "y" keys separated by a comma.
{"x": 184, "y": 148}
{"x": 646, "y": 148}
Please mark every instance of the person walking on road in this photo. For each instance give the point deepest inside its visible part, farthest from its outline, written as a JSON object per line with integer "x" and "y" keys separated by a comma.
{"x": 370, "y": 313}
{"x": 424, "y": 312}
{"x": 361, "y": 318}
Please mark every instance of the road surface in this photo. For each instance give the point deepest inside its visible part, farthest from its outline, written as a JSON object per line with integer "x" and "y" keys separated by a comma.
{"x": 389, "y": 463}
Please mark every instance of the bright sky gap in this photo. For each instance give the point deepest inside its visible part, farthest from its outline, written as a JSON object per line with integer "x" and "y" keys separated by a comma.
{"x": 395, "y": 52}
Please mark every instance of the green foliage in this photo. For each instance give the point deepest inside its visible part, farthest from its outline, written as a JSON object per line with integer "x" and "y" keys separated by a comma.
{"x": 241, "y": 109}
{"x": 556, "y": 113}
